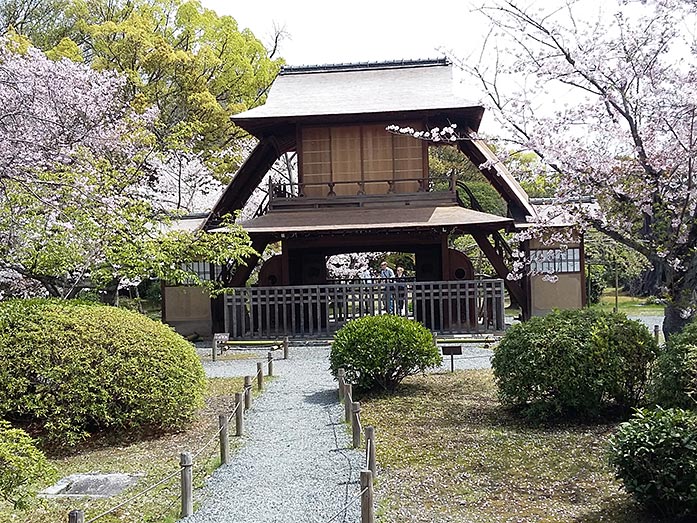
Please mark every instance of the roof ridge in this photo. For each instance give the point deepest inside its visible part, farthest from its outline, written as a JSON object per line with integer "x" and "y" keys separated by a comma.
{"x": 363, "y": 66}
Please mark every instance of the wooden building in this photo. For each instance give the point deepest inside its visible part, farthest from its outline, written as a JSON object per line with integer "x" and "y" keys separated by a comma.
{"x": 361, "y": 188}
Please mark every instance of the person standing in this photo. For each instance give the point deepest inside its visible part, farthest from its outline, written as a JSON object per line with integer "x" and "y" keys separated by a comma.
{"x": 401, "y": 291}
{"x": 387, "y": 276}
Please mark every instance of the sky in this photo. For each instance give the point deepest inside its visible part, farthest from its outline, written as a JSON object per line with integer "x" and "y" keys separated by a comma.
{"x": 361, "y": 30}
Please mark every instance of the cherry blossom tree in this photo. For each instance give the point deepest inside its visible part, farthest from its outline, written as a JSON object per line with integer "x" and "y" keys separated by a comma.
{"x": 606, "y": 95}
{"x": 75, "y": 204}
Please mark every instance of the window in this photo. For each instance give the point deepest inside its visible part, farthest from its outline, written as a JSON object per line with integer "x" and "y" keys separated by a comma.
{"x": 549, "y": 261}
{"x": 202, "y": 269}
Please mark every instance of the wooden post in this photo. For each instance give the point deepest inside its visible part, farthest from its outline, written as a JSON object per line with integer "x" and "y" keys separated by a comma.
{"x": 367, "y": 512}
{"x": 285, "y": 348}
{"x": 239, "y": 417}
{"x": 269, "y": 358}
{"x": 370, "y": 449}
{"x": 76, "y": 516}
{"x": 655, "y": 333}
{"x": 224, "y": 439}
{"x": 260, "y": 376}
{"x": 247, "y": 392}
{"x": 341, "y": 376}
{"x": 348, "y": 395}
{"x": 355, "y": 423}
{"x": 214, "y": 349}
{"x": 435, "y": 338}
{"x": 186, "y": 484}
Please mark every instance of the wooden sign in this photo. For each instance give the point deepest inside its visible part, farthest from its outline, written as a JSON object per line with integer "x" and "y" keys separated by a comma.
{"x": 452, "y": 351}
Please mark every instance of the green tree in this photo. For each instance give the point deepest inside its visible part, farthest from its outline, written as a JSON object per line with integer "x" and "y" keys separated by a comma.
{"x": 196, "y": 67}
{"x": 75, "y": 209}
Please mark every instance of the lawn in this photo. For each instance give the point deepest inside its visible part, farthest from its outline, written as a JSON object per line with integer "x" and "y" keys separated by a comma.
{"x": 630, "y": 305}
{"x": 447, "y": 451}
{"x": 156, "y": 457}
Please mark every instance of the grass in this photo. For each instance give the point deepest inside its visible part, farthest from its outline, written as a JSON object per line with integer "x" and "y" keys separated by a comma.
{"x": 633, "y": 305}
{"x": 156, "y": 457}
{"x": 447, "y": 451}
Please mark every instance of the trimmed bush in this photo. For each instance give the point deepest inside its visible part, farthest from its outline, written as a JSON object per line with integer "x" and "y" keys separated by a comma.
{"x": 655, "y": 456}
{"x": 674, "y": 382}
{"x": 573, "y": 363}
{"x": 72, "y": 369}
{"x": 22, "y": 466}
{"x": 380, "y": 351}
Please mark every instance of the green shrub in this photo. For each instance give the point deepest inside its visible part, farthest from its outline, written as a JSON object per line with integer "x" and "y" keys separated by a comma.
{"x": 573, "y": 363}
{"x": 22, "y": 466}
{"x": 77, "y": 368}
{"x": 596, "y": 283}
{"x": 674, "y": 382}
{"x": 380, "y": 351}
{"x": 655, "y": 456}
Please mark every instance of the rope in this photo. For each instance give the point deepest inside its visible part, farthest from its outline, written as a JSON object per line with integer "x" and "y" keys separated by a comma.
{"x": 351, "y": 502}
{"x": 368, "y": 443}
{"x": 358, "y": 419}
{"x": 232, "y": 414}
{"x": 213, "y": 438}
{"x": 170, "y": 476}
{"x": 152, "y": 487}
{"x": 169, "y": 506}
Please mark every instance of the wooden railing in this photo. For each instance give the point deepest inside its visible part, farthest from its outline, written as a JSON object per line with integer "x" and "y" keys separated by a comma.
{"x": 361, "y": 187}
{"x": 319, "y": 310}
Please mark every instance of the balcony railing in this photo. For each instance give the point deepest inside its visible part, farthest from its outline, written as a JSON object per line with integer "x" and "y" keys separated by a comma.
{"x": 319, "y": 310}
{"x": 361, "y": 187}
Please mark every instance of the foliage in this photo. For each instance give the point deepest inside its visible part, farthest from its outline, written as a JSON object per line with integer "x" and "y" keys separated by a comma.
{"x": 378, "y": 352}
{"x": 446, "y": 161}
{"x": 655, "y": 456}
{"x": 151, "y": 456}
{"x": 573, "y": 363}
{"x": 486, "y": 196}
{"x": 22, "y": 466}
{"x": 628, "y": 139}
{"x": 74, "y": 209}
{"x": 72, "y": 369}
{"x": 602, "y": 251}
{"x": 448, "y": 451}
{"x": 596, "y": 283}
{"x": 674, "y": 381}
{"x": 196, "y": 67}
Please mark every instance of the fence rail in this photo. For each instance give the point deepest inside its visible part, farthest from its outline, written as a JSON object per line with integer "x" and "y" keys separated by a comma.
{"x": 243, "y": 402}
{"x": 471, "y": 306}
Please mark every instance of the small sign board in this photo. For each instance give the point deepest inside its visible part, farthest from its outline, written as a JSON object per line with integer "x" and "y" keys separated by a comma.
{"x": 218, "y": 338}
{"x": 452, "y": 350}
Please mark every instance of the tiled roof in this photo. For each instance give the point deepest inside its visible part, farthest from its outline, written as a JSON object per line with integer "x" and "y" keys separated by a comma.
{"x": 340, "y": 89}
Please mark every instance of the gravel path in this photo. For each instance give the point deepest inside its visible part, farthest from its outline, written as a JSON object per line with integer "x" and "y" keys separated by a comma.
{"x": 296, "y": 463}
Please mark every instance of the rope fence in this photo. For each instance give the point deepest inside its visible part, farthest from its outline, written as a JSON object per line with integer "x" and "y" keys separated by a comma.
{"x": 243, "y": 402}
{"x": 352, "y": 415}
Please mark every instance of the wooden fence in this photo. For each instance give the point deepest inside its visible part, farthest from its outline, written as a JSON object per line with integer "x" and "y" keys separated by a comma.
{"x": 473, "y": 306}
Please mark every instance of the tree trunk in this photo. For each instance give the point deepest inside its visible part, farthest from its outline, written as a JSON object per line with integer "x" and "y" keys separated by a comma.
{"x": 110, "y": 295}
{"x": 673, "y": 320}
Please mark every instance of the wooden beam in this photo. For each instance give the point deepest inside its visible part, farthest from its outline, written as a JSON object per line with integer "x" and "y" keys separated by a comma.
{"x": 249, "y": 176}
{"x": 514, "y": 288}
{"x": 499, "y": 177}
